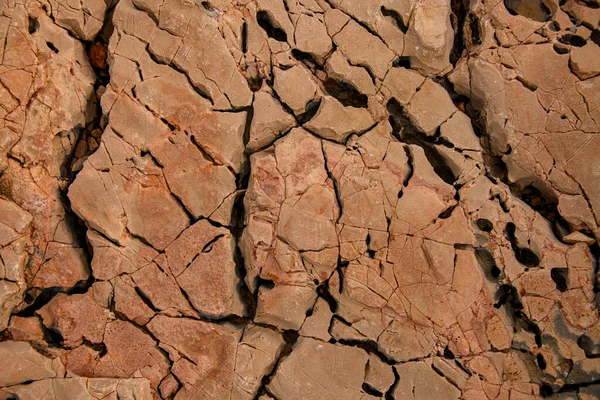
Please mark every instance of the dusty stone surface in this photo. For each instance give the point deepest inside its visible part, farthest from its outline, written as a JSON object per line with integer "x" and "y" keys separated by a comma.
{"x": 281, "y": 199}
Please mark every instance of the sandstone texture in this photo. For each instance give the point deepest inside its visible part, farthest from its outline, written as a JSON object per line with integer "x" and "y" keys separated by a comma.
{"x": 300, "y": 199}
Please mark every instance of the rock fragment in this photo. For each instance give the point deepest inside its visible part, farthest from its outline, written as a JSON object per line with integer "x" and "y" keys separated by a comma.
{"x": 328, "y": 371}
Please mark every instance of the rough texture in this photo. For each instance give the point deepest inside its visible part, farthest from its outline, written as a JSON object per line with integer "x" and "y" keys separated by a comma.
{"x": 282, "y": 199}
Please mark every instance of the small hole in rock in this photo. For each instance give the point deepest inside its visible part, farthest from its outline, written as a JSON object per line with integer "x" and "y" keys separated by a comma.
{"x": 532, "y": 9}
{"x": 541, "y": 361}
{"x": 345, "y": 93}
{"x": 371, "y": 391}
{"x": 560, "y": 276}
{"x": 595, "y": 37}
{"x": 487, "y": 263}
{"x": 546, "y": 390}
{"x": 560, "y": 49}
{"x": 448, "y": 353}
{"x": 403, "y": 62}
{"x": 396, "y": 17}
{"x": 484, "y": 225}
{"x": 527, "y": 257}
{"x": 52, "y": 47}
{"x": 274, "y": 32}
{"x": 33, "y": 25}
{"x": 573, "y": 40}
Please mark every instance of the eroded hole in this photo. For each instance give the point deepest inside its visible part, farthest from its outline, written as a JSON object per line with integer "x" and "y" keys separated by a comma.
{"x": 396, "y": 17}
{"x": 554, "y": 26}
{"x": 272, "y": 30}
{"x": 560, "y": 278}
{"x": 474, "y": 26}
{"x": 572, "y": 40}
{"x": 532, "y": 9}
{"x": 488, "y": 264}
{"x": 371, "y": 391}
{"x": 523, "y": 255}
{"x": 546, "y": 390}
{"x": 309, "y": 111}
{"x": 590, "y": 349}
{"x": 508, "y": 295}
{"x": 244, "y": 44}
{"x": 484, "y": 225}
{"x": 32, "y": 25}
{"x": 402, "y": 62}
{"x": 346, "y": 94}
{"x": 560, "y": 49}
{"x": 209, "y": 7}
{"x": 541, "y": 361}
{"x": 52, "y": 47}
{"x": 595, "y": 37}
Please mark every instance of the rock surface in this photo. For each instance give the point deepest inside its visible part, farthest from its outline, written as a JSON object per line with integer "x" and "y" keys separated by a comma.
{"x": 281, "y": 199}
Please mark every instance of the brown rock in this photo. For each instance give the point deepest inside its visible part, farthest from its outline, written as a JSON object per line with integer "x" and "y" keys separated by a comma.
{"x": 270, "y": 120}
{"x": 129, "y": 349}
{"x": 584, "y": 60}
{"x": 26, "y": 364}
{"x": 336, "y": 122}
{"x": 201, "y": 185}
{"x": 203, "y": 354}
{"x": 256, "y": 355}
{"x": 75, "y": 387}
{"x": 216, "y": 293}
{"x": 79, "y": 317}
{"x": 328, "y": 371}
{"x": 97, "y": 54}
{"x": 420, "y": 381}
{"x": 295, "y": 87}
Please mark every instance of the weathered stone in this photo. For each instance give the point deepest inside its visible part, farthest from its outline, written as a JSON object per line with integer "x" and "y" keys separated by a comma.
{"x": 81, "y": 388}
{"x": 420, "y": 381}
{"x": 336, "y": 122}
{"x": 270, "y": 120}
{"x": 256, "y": 356}
{"x": 290, "y": 194}
{"x": 84, "y": 19}
{"x": 79, "y": 317}
{"x": 129, "y": 349}
{"x": 203, "y": 354}
{"x": 26, "y": 364}
{"x": 295, "y": 87}
{"x": 584, "y": 60}
{"x": 328, "y": 371}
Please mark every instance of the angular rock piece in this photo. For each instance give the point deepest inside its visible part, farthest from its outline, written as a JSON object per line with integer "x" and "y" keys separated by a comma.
{"x": 420, "y": 381}
{"x": 81, "y": 316}
{"x": 284, "y": 306}
{"x": 203, "y": 354}
{"x": 270, "y": 120}
{"x": 318, "y": 370}
{"x": 256, "y": 355}
{"x": 129, "y": 349}
{"x": 75, "y": 387}
{"x": 26, "y": 364}
{"x": 84, "y": 19}
{"x": 295, "y": 87}
{"x": 336, "y": 122}
{"x": 584, "y": 60}
{"x": 210, "y": 281}
{"x": 201, "y": 185}
{"x": 362, "y": 48}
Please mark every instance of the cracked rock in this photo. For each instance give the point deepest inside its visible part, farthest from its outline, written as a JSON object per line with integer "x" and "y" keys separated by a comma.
{"x": 299, "y": 199}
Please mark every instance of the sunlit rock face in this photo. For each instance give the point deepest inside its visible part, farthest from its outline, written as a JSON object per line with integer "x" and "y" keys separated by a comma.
{"x": 283, "y": 199}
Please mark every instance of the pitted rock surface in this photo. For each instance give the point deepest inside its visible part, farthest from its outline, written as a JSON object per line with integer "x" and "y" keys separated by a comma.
{"x": 300, "y": 199}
